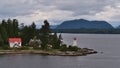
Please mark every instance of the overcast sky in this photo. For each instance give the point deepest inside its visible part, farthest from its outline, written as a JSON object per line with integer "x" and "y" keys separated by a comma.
{"x": 56, "y": 11}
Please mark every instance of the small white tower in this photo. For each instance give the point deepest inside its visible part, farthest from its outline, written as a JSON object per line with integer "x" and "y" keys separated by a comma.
{"x": 75, "y": 42}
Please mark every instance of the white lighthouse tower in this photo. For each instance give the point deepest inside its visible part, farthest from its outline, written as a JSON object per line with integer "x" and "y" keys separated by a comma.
{"x": 75, "y": 41}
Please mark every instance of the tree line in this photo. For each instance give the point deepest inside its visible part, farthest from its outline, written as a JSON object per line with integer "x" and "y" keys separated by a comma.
{"x": 8, "y": 28}
{"x": 11, "y": 29}
{"x": 88, "y": 31}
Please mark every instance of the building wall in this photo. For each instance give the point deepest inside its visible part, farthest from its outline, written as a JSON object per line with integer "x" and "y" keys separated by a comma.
{"x": 13, "y": 43}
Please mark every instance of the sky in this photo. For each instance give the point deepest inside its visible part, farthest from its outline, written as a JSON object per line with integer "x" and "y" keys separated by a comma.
{"x": 57, "y": 11}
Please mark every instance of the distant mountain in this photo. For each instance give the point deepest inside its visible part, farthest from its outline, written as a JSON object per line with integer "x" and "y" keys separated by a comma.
{"x": 84, "y": 24}
{"x": 118, "y": 27}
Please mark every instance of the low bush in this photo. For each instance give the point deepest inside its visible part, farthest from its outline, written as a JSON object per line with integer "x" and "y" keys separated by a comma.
{"x": 5, "y": 47}
{"x": 24, "y": 48}
{"x": 73, "y": 48}
{"x": 63, "y": 47}
{"x": 36, "y": 48}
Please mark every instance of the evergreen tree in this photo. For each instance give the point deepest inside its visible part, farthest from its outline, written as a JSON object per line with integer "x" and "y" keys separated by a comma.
{"x": 55, "y": 41}
{"x": 4, "y": 23}
{"x": 46, "y": 28}
{"x": 28, "y": 32}
{"x": 10, "y": 28}
{"x": 45, "y": 34}
{"x": 4, "y": 35}
{"x": 15, "y": 27}
{"x": 60, "y": 42}
{"x": 3, "y": 31}
{"x": 33, "y": 29}
{"x": 1, "y": 41}
{"x": 33, "y": 26}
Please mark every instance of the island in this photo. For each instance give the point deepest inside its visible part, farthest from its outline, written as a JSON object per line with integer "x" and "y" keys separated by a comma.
{"x": 81, "y": 52}
{"x": 30, "y": 40}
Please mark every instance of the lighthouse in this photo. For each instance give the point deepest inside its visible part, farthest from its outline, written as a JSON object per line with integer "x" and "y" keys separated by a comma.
{"x": 75, "y": 41}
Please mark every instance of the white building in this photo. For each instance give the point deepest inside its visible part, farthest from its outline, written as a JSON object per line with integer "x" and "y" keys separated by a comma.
{"x": 15, "y": 42}
{"x": 74, "y": 42}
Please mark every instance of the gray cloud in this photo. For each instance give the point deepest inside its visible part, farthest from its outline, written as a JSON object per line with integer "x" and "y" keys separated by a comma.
{"x": 57, "y": 11}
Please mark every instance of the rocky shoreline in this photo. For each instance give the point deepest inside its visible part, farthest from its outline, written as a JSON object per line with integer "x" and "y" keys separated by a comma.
{"x": 81, "y": 52}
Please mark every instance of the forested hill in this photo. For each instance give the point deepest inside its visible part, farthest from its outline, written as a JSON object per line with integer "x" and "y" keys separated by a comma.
{"x": 82, "y": 23}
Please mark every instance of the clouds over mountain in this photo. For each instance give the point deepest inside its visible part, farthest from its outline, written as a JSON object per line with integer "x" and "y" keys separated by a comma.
{"x": 60, "y": 10}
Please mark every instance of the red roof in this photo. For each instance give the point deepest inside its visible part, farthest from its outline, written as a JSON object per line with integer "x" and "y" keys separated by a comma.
{"x": 15, "y": 40}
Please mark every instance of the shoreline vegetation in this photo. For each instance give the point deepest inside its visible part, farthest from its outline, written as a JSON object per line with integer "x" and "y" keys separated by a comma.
{"x": 81, "y": 52}
{"x": 88, "y": 31}
{"x": 36, "y": 41}
{"x": 63, "y": 50}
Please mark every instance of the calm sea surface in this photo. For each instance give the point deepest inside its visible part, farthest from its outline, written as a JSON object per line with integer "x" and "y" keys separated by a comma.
{"x": 108, "y": 44}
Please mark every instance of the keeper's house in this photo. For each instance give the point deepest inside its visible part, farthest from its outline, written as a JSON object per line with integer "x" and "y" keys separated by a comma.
{"x": 15, "y": 42}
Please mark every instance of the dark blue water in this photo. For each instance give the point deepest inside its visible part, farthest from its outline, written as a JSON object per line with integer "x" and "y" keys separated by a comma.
{"x": 108, "y": 44}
